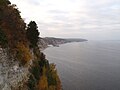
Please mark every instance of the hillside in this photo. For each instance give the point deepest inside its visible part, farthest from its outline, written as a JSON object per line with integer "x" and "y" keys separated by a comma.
{"x": 22, "y": 65}
{"x": 45, "y": 42}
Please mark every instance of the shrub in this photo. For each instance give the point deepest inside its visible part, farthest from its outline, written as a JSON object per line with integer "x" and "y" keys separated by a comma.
{"x": 37, "y": 52}
{"x": 43, "y": 84}
{"x": 52, "y": 87}
{"x": 31, "y": 83}
{"x": 36, "y": 72}
{"x": 53, "y": 78}
{"x": 52, "y": 75}
{"x": 23, "y": 53}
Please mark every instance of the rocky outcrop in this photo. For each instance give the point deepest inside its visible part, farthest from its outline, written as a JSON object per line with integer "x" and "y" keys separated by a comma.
{"x": 45, "y": 42}
{"x": 12, "y": 75}
{"x": 15, "y": 76}
{"x": 42, "y": 44}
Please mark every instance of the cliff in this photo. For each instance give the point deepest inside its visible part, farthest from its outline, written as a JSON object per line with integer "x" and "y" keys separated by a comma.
{"x": 37, "y": 74}
{"x": 22, "y": 65}
{"x": 45, "y": 42}
{"x": 12, "y": 75}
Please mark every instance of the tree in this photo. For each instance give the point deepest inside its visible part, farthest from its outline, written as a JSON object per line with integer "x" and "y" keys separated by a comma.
{"x": 32, "y": 33}
{"x": 12, "y": 24}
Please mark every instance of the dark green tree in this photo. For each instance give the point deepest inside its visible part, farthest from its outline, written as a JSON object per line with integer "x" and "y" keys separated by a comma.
{"x": 32, "y": 33}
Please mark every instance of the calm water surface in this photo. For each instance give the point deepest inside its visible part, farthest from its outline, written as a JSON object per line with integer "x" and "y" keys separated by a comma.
{"x": 92, "y": 65}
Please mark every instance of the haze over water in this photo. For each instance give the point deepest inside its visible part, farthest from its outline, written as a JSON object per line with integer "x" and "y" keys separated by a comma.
{"x": 92, "y": 65}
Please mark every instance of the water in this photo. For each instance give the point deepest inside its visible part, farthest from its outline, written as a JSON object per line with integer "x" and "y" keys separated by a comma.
{"x": 92, "y": 65}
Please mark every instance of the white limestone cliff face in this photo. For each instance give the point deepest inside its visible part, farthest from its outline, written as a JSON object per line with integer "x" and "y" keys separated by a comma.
{"x": 46, "y": 42}
{"x": 12, "y": 75}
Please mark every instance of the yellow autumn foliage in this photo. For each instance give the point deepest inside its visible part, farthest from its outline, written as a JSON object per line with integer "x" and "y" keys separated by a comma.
{"x": 55, "y": 77}
{"x": 52, "y": 87}
{"x": 23, "y": 53}
{"x": 43, "y": 84}
{"x": 49, "y": 79}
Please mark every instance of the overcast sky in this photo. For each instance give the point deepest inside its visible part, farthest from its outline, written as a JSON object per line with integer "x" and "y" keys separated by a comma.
{"x": 89, "y": 19}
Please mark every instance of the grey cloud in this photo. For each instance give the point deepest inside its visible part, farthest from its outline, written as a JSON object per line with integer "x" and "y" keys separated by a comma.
{"x": 91, "y": 19}
{"x": 58, "y": 12}
{"x": 34, "y": 2}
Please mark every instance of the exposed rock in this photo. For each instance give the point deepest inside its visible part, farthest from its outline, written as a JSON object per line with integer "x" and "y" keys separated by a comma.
{"x": 45, "y": 42}
{"x": 12, "y": 75}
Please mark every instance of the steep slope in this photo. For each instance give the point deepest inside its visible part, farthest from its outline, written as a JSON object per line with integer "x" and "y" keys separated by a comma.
{"x": 45, "y": 42}
{"x": 22, "y": 67}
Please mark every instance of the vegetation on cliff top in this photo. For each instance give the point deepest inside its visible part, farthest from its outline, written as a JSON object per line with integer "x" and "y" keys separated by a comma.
{"x": 22, "y": 43}
{"x": 32, "y": 33}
